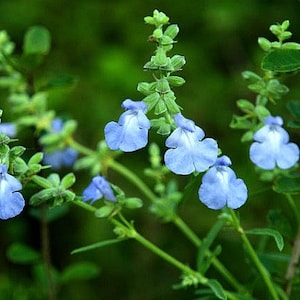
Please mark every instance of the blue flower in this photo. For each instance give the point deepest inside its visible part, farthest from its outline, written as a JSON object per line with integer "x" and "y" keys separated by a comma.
{"x": 8, "y": 129}
{"x": 131, "y": 131}
{"x": 221, "y": 188}
{"x": 97, "y": 189}
{"x": 189, "y": 151}
{"x": 60, "y": 158}
{"x": 272, "y": 148}
{"x": 11, "y": 201}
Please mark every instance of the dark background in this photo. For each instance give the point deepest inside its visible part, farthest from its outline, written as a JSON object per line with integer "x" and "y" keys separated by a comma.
{"x": 104, "y": 44}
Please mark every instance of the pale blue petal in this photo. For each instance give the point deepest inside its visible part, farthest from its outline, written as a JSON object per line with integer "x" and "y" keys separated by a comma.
{"x": 261, "y": 156}
{"x": 175, "y": 139}
{"x": 97, "y": 189}
{"x": 113, "y": 135}
{"x": 11, "y": 201}
{"x": 211, "y": 192}
{"x": 8, "y": 129}
{"x": 11, "y": 204}
{"x": 92, "y": 193}
{"x": 204, "y": 154}
{"x": 60, "y": 158}
{"x": 238, "y": 193}
{"x": 290, "y": 157}
{"x": 179, "y": 161}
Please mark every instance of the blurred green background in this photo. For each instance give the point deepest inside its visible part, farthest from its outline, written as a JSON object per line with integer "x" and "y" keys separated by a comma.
{"x": 104, "y": 44}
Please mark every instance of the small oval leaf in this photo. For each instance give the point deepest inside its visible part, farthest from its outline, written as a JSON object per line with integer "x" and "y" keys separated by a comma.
{"x": 282, "y": 60}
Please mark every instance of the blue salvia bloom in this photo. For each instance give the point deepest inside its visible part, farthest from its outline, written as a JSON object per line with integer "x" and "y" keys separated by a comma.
{"x": 272, "y": 148}
{"x": 11, "y": 201}
{"x": 8, "y": 129}
{"x": 220, "y": 187}
{"x": 60, "y": 158}
{"x": 189, "y": 150}
{"x": 98, "y": 188}
{"x": 131, "y": 131}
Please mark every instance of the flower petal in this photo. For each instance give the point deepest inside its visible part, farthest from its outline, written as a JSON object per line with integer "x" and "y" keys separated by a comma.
{"x": 11, "y": 204}
{"x": 211, "y": 192}
{"x": 261, "y": 156}
{"x": 290, "y": 157}
{"x": 113, "y": 135}
{"x": 179, "y": 161}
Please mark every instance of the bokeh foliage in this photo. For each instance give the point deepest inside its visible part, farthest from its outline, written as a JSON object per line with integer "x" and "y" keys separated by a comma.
{"x": 104, "y": 45}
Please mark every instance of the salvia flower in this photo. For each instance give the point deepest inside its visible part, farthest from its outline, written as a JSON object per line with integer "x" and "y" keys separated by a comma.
{"x": 8, "y": 129}
{"x": 131, "y": 131}
{"x": 189, "y": 151}
{"x": 272, "y": 148}
{"x": 11, "y": 201}
{"x": 98, "y": 188}
{"x": 63, "y": 157}
{"x": 220, "y": 187}
{"x": 60, "y": 158}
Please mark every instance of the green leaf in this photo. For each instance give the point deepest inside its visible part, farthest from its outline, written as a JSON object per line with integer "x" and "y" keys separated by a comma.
{"x": 202, "y": 260}
{"x": 79, "y": 271}
{"x": 270, "y": 232}
{"x": 97, "y": 245}
{"x": 68, "y": 180}
{"x": 287, "y": 185}
{"x": 37, "y": 40}
{"x": 22, "y": 254}
{"x": 104, "y": 211}
{"x": 294, "y": 108}
{"x": 217, "y": 289}
{"x": 282, "y": 60}
{"x": 41, "y": 181}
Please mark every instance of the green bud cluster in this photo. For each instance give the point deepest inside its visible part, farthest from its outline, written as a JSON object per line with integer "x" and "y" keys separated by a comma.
{"x": 11, "y": 156}
{"x": 282, "y": 34}
{"x": 55, "y": 191}
{"x": 267, "y": 87}
{"x": 158, "y": 94}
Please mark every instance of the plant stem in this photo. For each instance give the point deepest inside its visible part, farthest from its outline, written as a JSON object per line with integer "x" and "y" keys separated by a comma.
{"x": 260, "y": 268}
{"x": 80, "y": 148}
{"x": 183, "y": 227}
{"x": 46, "y": 254}
{"x": 132, "y": 177}
{"x": 294, "y": 260}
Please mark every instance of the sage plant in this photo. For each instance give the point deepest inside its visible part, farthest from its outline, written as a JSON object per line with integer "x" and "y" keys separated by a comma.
{"x": 38, "y": 180}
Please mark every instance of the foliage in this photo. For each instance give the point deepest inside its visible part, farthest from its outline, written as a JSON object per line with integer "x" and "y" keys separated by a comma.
{"x": 44, "y": 159}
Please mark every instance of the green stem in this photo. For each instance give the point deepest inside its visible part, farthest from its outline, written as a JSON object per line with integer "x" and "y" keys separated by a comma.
{"x": 183, "y": 227}
{"x": 260, "y": 268}
{"x": 85, "y": 206}
{"x": 132, "y": 233}
{"x": 294, "y": 208}
{"x": 80, "y": 148}
{"x": 294, "y": 260}
{"x": 132, "y": 177}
